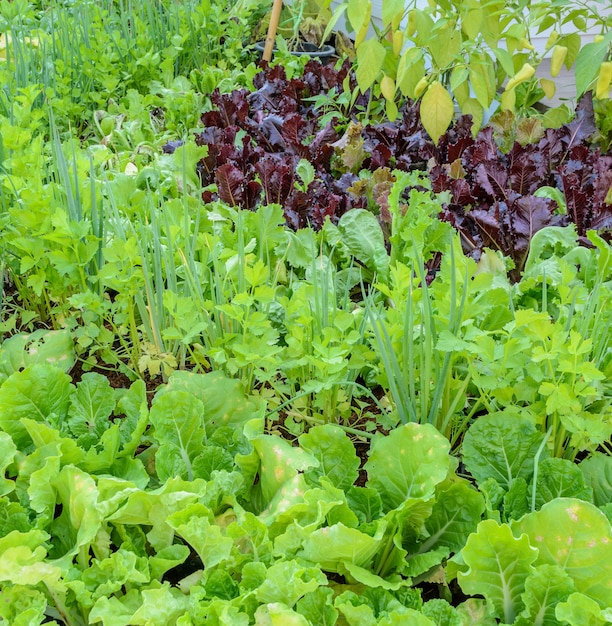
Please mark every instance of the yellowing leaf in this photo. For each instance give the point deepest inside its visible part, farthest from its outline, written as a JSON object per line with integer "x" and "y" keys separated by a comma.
{"x": 437, "y": 110}
{"x": 370, "y": 58}
{"x": 548, "y": 87}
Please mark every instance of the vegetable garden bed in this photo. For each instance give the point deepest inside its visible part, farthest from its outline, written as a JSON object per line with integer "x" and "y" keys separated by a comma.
{"x": 269, "y": 357}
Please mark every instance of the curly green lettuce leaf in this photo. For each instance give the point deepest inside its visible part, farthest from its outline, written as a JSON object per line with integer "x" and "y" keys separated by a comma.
{"x": 442, "y": 613}
{"x": 177, "y": 419}
{"x": 195, "y": 526}
{"x": 90, "y": 409}
{"x": 317, "y": 607}
{"x": 498, "y": 565}
{"x": 22, "y": 606}
{"x": 288, "y": 581}
{"x": 41, "y": 393}
{"x": 576, "y": 536}
{"x": 22, "y": 559}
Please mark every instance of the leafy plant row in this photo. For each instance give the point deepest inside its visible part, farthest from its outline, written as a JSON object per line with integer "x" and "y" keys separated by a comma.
{"x": 188, "y": 512}
{"x": 513, "y": 178}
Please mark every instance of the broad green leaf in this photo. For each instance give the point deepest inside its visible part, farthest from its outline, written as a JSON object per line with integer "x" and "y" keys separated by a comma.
{"x": 114, "y": 611}
{"x": 587, "y": 65}
{"x": 133, "y": 404}
{"x": 41, "y": 393}
{"x": 90, "y": 409}
{"x": 77, "y": 526}
{"x": 408, "y": 463}
{"x": 332, "y": 546}
{"x": 597, "y": 471}
{"x": 580, "y": 543}
{"x": 455, "y": 514}
{"x": 357, "y": 12}
{"x": 580, "y": 610}
{"x": 501, "y": 446}
{"x": 333, "y": 449}
{"x": 363, "y": 236}
{"x": 7, "y": 454}
{"x": 365, "y": 502}
{"x": 498, "y": 565}
{"x": 317, "y": 607}
{"x": 560, "y": 478}
{"x": 392, "y": 11}
{"x": 280, "y": 462}
{"x": 365, "y": 608}
{"x": 482, "y": 79}
{"x": 223, "y": 399}
{"x": 544, "y": 589}
{"x": 177, "y": 419}
{"x": 166, "y": 559}
{"x": 54, "y": 347}
{"x": 194, "y": 526}
{"x": 278, "y": 614}
{"x": 160, "y": 606}
{"x": 152, "y": 508}
{"x": 437, "y": 110}
{"x": 370, "y": 60}
{"x": 288, "y": 581}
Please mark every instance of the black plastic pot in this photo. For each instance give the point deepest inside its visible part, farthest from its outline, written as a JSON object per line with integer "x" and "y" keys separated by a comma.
{"x": 306, "y": 49}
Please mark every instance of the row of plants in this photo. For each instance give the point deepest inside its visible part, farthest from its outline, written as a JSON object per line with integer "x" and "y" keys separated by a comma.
{"x": 268, "y": 358}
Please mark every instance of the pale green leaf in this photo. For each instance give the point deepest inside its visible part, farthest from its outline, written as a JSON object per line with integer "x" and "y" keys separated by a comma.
{"x": 408, "y": 463}
{"x": 370, "y": 59}
{"x": 437, "y": 110}
{"x": 363, "y": 236}
{"x": 498, "y": 566}
{"x": 41, "y": 393}
{"x": 581, "y": 543}
{"x": 335, "y": 452}
{"x": 580, "y": 610}
{"x": 544, "y": 589}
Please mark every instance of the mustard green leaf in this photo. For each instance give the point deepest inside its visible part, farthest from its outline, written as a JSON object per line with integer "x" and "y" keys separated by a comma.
{"x": 498, "y": 565}
{"x": 408, "y": 463}
{"x": 335, "y": 452}
{"x": 597, "y": 471}
{"x": 501, "y": 446}
{"x": 581, "y": 543}
{"x": 580, "y": 610}
{"x": 544, "y": 590}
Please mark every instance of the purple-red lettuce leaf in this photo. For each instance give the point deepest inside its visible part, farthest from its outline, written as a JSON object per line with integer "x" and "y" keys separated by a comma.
{"x": 231, "y": 184}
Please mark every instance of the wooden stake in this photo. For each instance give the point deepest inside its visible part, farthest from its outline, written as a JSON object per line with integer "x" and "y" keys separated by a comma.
{"x": 274, "y": 18}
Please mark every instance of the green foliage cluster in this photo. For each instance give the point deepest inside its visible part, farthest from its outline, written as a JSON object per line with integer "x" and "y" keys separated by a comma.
{"x": 189, "y": 512}
{"x": 335, "y": 426}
